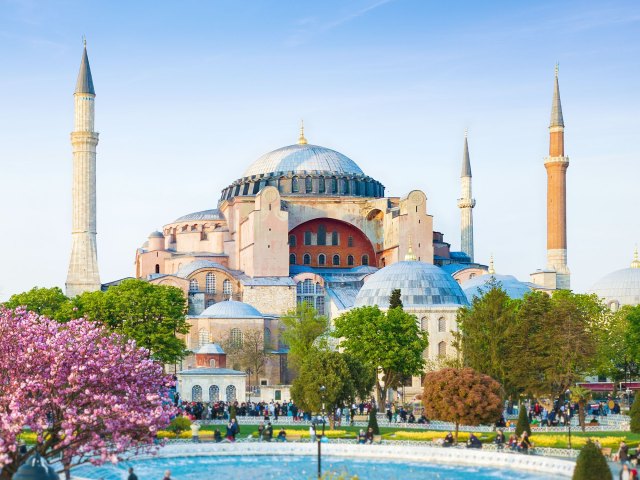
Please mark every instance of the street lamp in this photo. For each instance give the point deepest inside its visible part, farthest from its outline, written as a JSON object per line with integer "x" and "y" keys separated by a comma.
{"x": 323, "y": 389}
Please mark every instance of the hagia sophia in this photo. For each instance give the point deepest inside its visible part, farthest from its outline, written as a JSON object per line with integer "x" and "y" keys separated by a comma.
{"x": 305, "y": 223}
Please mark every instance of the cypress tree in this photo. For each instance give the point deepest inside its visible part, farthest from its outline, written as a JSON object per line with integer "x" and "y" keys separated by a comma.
{"x": 591, "y": 464}
{"x": 523, "y": 421}
{"x": 395, "y": 300}
{"x": 634, "y": 413}
{"x": 373, "y": 420}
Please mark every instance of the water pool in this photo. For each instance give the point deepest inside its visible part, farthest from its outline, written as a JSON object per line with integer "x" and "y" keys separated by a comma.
{"x": 294, "y": 468}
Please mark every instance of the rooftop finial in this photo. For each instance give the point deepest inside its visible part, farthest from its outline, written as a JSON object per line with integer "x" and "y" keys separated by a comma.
{"x": 84, "y": 41}
{"x": 557, "y": 68}
{"x": 636, "y": 261}
{"x": 492, "y": 270}
{"x": 466, "y": 131}
{"x": 301, "y": 139}
{"x": 410, "y": 256}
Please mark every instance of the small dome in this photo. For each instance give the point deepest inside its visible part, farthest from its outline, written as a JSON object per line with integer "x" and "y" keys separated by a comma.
{"x": 621, "y": 286}
{"x": 510, "y": 284}
{"x": 191, "y": 267}
{"x": 213, "y": 214}
{"x": 421, "y": 285}
{"x": 303, "y": 158}
{"x": 231, "y": 309}
{"x": 156, "y": 234}
{"x": 210, "y": 348}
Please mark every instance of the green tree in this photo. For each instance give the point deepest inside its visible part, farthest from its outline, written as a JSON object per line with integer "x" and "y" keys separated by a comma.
{"x": 388, "y": 341}
{"x": 632, "y": 315}
{"x": 634, "y": 413}
{"x": 396, "y": 299}
{"x": 616, "y": 346}
{"x": 463, "y": 397}
{"x": 523, "y": 421}
{"x": 50, "y": 302}
{"x": 373, "y": 421}
{"x": 591, "y": 464}
{"x": 363, "y": 377}
{"x": 581, "y": 396}
{"x": 250, "y": 354}
{"x": 300, "y": 328}
{"x": 328, "y": 369}
{"x": 485, "y": 333}
{"x": 152, "y": 315}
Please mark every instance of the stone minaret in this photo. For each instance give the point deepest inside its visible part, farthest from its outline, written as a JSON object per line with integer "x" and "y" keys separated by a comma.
{"x": 83, "y": 273}
{"x": 466, "y": 203}
{"x": 556, "y": 164}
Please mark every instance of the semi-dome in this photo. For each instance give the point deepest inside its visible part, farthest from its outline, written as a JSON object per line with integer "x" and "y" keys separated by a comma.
{"x": 213, "y": 214}
{"x": 191, "y": 267}
{"x": 621, "y": 287}
{"x": 421, "y": 285}
{"x": 514, "y": 288}
{"x": 303, "y": 158}
{"x": 231, "y": 309}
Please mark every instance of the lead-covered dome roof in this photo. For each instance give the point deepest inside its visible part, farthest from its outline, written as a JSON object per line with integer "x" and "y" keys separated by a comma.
{"x": 421, "y": 285}
{"x": 511, "y": 285}
{"x": 231, "y": 309}
{"x": 622, "y": 286}
{"x": 303, "y": 158}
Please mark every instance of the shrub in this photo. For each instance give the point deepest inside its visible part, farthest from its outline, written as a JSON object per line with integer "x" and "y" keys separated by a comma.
{"x": 373, "y": 421}
{"x": 591, "y": 464}
{"x": 634, "y": 413}
{"x": 179, "y": 425}
{"x": 523, "y": 421}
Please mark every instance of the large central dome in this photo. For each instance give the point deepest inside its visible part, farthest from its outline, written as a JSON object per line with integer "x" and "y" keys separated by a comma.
{"x": 303, "y": 158}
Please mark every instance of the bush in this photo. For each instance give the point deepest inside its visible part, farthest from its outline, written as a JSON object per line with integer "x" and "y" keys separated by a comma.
{"x": 373, "y": 421}
{"x": 523, "y": 421}
{"x": 179, "y": 425}
{"x": 591, "y": 464}
{"x": 634, "y": 413}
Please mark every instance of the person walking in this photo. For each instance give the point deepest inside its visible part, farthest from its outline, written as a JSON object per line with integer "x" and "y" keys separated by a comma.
{"x": 167, "y": 475}
{"x": 132, "y": 476}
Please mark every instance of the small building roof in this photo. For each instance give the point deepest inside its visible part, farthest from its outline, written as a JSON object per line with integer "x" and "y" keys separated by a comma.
{"x": 231, "y": 309}
{"x": 210, "y": 348}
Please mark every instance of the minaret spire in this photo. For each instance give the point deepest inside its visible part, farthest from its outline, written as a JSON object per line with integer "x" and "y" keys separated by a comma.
{"x": 556, "y": 165}
{"x": 466, "y": 202}
{"x": 301, "y": 139}
{"x": 636, "y": 262}
{"x": 83, "y": 273}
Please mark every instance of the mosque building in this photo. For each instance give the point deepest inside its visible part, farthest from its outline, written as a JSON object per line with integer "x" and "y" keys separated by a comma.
{"x": 305, "y": 223}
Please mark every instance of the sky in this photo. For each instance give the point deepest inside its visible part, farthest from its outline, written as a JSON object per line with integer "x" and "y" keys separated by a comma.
{"x": 190, "y": 93}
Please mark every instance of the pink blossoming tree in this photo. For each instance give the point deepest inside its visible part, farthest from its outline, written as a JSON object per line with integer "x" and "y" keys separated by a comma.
{"x": 88, "y": 395}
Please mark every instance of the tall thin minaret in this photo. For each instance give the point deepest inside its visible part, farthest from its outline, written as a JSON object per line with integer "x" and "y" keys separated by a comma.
{"x": 556, "y": 165}
{"x": 83, "y": 273}
{"x": 466, "y": 203}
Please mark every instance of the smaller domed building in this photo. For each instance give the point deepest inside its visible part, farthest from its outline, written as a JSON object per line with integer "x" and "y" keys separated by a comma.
{"x": 621, "y": 287}
{"x": 514, "y": 288}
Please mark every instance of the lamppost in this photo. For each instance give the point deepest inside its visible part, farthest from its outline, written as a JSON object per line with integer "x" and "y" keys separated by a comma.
{"x": 323, "y": 389}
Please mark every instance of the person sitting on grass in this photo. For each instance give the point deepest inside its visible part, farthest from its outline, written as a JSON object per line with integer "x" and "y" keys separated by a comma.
{"x": 268, "y": 432}
{"x": 499, "y": 440}
{"x": 369, "y": 436}
{"x": 448, "y": 440}
{"x": 525, "y": 444}
{"x": 282, "y": 435}
{"x": 362, "y": 438}
{"x": 513, "y": 442}
{"x": 260, "y": 431}
{"x": 474, "y": 442}
{"x": 217, "y": 436}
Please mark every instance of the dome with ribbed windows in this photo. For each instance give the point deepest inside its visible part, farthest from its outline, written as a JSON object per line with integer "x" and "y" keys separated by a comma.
{"x": 231, "y": 309}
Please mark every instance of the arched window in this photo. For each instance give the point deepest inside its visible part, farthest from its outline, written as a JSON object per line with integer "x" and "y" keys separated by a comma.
{"x": 365, "y": 260}
{"x": 334, "y": 185}
{"x": 307, "y": 237}
{"x": 306, "y": 260}
{"x": 196, "y": 393}
{"x": 322, "y": 259}
{"x": 345, "y": 186}
{"x": 424, "y": 323}
{"x": 322, "y": 235}
{"x": 308, "y": 185}
{"x": 442, "y": 349}
{"x": 214, "y": 393}
{"x": 336, "y": 260}
{"x": 236, "y": 337}
{"x": 321, "y": 187}
{"x": 231, "y": 393}
{"x": 267, "y": 339}
{"x": 292, "y": 240}
{"x": 292, "y": 259}
{"x": 308, "y": 286}
{"x": 311, "y": 293}
{"x": 350, "y": 241}
{"x": 212, "y": 363}
{"x": 334, "y": 238}
{"x": 157, "y": 268}
{"x": 193, "y": 285}
{"x": 203, "y": 337}
{"x": 226, "y": 287}
{"x": 294, "y": 185}
{"x": 442, "y": 324}
{"x": 350, "y": 260}
{"x": 210, "y": 283}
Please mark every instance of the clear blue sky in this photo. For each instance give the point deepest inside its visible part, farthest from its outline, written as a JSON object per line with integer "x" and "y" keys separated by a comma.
{"x": 189, "y": 93}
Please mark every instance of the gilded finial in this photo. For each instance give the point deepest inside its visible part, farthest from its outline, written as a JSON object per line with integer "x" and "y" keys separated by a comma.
{"x": 636, "y": 262}
{"x": 410, "y": 256}
{"x": 301, "y": 139}
{"x": 492, "y": 270}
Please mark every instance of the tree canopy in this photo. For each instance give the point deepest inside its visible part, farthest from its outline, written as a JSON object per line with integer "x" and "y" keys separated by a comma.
{"x": 395, "y": 300}
{"x": 390, "y": 341}
{"x": 300, "y": 329}
{"x": 463, "y": 397}
{"x": 50, "y": 302}
{"x": 251, "y": 355}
